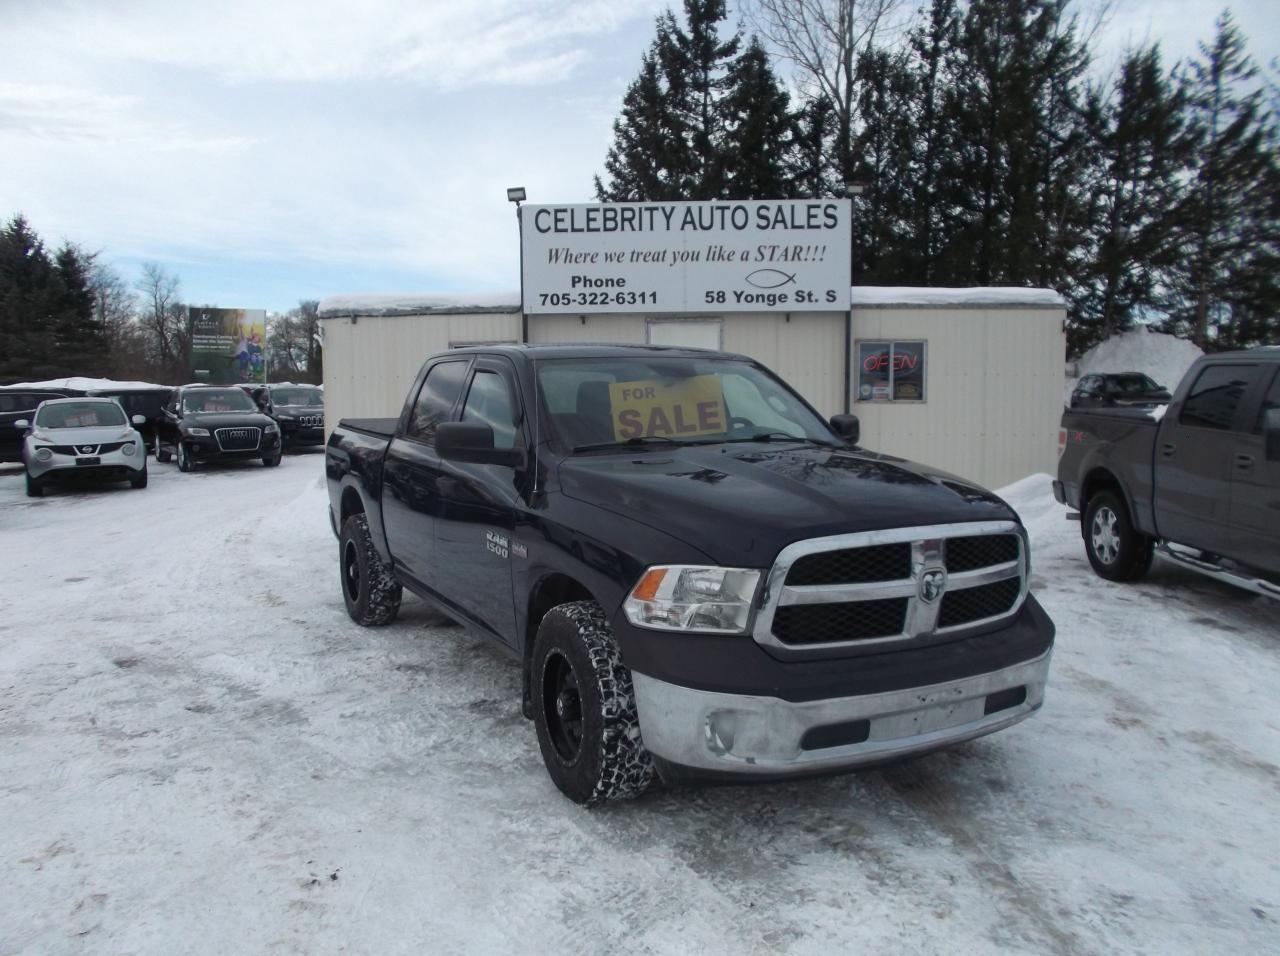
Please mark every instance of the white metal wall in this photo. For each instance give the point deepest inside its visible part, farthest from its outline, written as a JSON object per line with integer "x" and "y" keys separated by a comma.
{"x": 371, "y": 362}
{"x": 994, "y": 390}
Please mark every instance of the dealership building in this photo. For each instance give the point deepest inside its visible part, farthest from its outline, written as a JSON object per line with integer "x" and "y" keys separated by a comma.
{"x": 968, "y": 380}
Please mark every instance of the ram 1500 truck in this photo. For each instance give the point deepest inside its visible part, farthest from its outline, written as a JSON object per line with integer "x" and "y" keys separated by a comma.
{"x": 1198, "y": 480}
{"x": 701, "y": 578}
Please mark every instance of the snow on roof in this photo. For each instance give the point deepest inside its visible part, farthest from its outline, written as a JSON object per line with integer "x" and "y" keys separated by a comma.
{"x": 77, "y": 383}
{"x": 873, "y": 295}
{"x": 413, "y": 303}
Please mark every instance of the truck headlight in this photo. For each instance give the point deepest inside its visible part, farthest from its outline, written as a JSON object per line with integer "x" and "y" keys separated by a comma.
{"x": 43, "y": 454}
{"x": 679, "y": 597}
{"x": 198, "y": 432}
{"x": 285, "y": 418}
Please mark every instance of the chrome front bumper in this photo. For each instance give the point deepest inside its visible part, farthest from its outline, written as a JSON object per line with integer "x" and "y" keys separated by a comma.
{"x": 767, "y": 736}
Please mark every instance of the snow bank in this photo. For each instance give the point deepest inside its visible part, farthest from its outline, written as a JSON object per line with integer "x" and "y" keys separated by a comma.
{"x": 871, "y": 295}
{"x": 80, "y": 384}
{"x": 417, "y": 303}
{"x": 1164, "y": 357}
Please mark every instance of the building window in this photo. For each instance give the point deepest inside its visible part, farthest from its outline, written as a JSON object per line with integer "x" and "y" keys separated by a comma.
{"x": 892, "y": 371}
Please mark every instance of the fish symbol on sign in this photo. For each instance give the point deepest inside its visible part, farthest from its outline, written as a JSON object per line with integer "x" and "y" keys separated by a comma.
{"x": 770, "y": 278}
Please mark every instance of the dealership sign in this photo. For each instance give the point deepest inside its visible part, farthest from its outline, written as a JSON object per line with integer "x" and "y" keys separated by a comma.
{"x": 777, "y": 256}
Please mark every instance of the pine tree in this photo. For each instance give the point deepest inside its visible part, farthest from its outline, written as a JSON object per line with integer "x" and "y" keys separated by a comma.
{"x": 759, "y": 132}
{"x": 701, "y": 121}
{"x": 1016, "y": 144}
{"x": 79, "y": 338}
{"x": 640, "y": 163}
{"x": 28, "y": 304}
{"x": 1223, "y": 283}
{"x": 1137, "y": 131}
{"x": 883, "y": 154}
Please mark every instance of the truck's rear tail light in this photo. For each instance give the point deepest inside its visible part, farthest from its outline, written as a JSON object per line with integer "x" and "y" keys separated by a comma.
{"x": 1062, "y": 441}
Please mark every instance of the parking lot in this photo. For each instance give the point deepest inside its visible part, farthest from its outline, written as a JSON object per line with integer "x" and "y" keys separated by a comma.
{"x": 199, "y": 752}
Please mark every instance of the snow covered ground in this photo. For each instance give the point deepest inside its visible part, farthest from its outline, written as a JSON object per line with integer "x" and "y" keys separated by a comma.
{"x": 200, "y": 753}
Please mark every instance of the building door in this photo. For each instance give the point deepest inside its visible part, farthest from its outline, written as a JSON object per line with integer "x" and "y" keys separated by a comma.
{"x": 680, "y": 333}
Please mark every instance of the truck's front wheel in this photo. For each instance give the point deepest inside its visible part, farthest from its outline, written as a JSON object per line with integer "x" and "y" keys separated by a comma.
{"x": 372, "y": 596}
{"x": 584, "y": 708}
{"x": 1116, "y": 549}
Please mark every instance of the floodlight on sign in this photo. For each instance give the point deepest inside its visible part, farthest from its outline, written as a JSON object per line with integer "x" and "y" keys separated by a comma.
{"x": 516, "y": 195}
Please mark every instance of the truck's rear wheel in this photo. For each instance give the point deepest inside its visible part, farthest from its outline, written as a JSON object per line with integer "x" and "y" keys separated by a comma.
{"x": 372, "y": 596}
{"x": 584, "y": 708}
{"x": 1116, "y": 549}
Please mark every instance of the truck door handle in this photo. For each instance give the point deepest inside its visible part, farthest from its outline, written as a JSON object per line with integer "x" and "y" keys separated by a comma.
{"x": 1244, "y": 462}
{"x": 1167, "y": 449}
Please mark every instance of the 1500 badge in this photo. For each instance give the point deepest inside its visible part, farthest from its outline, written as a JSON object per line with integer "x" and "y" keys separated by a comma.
{"x": 497, "y": 543}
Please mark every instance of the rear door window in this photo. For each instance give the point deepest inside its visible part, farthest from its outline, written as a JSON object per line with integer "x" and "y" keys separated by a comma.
{"x": 1216, "y": 395}
{"x": 436, "y": 399}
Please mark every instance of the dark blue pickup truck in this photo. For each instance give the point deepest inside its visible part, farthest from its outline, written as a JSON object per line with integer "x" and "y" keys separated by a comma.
{"x": 702, "y": 578}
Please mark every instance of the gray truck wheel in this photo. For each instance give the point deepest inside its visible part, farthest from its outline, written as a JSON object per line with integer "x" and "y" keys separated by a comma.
{"x": 1116, "y": 549}
{"x": 584, "y": 708}
{"x": 372, "y": 596}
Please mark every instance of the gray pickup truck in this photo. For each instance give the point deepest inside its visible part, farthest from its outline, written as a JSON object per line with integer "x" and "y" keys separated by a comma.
{"x": 1197, "y": 480}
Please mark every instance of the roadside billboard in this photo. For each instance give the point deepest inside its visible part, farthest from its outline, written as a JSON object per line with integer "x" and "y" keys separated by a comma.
{"x": 788, "y": 255}
{"x": 227, "y": 345}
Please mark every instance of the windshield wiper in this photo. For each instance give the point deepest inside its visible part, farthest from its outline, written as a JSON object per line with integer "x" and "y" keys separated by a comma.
{"x": 628, "y": 443}
{"x": 781, "y": 436}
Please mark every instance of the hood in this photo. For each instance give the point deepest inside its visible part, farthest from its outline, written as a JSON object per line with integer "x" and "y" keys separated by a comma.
{"x": 87, "y": 436}
{"x": 744, "y": 503}
{"x": 226, "y": 419}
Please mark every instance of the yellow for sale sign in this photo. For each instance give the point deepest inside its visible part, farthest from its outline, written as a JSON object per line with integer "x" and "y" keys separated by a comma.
{"x": 679, "y": 408}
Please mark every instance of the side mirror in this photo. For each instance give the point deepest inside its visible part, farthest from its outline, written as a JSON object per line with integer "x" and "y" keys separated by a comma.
{"x": 139, "y": 419}
{"x": 22, "y": 423}
{"x": 472, "y": 442}
{"x": 847, "y": 427}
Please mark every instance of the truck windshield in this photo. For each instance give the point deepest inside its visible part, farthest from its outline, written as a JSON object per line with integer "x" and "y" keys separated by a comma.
{"x": 606, "y": 402}
{"x": 80, "y": 415}
{"x": 217, "y": 400}
{"x": 297, "y": 396}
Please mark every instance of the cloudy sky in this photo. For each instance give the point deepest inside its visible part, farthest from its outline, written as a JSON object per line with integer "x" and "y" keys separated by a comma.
{"x": 268, "y": 151}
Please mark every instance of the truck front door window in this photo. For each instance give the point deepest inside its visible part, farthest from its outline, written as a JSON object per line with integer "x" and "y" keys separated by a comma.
{"x": 436, "y": 399}
{"x": 1215, "y": 396}
{"x": 489, "y": 402}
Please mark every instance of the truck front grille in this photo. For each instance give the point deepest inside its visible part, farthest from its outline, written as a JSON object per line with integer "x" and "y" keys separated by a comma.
{"x": 900, "y": 585}
{"x": 238, "y": 439}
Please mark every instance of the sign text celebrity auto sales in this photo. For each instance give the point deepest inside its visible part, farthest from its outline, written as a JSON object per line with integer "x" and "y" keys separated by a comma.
{"x": 687, "y": 256}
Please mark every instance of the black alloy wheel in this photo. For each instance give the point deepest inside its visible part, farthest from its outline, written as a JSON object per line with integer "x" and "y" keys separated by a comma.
{"x": 562, "y": 706}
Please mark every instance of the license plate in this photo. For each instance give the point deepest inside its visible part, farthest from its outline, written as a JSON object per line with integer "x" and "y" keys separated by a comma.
{"x": 88, "y": 461}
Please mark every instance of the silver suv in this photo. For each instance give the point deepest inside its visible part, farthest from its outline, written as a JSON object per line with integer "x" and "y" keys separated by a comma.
{"x": 82, "y": 438}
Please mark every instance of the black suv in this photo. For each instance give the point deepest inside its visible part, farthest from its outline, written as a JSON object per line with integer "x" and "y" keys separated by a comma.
{"x": 298, "y": 409}
{"x": 19, "y": 404}
{"x": 1116, "y": 389}
{"x": 216, "y": 423}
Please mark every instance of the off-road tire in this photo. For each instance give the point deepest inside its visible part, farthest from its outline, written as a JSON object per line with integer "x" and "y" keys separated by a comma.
{"x": 610, "y": 762}
{"x": 139, "y": 481}
{"x": 35, "y": 487}
{"x": 372, "y": 596}
{"x": 185, "y": 461}
{"x": 1116, "y": 549}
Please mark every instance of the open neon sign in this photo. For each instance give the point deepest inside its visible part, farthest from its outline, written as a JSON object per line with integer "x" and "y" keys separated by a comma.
{"x": 891, "y": 371}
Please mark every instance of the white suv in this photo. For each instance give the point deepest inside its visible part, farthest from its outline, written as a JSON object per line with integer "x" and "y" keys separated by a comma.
{"x": 82, "y": 438}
